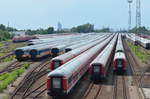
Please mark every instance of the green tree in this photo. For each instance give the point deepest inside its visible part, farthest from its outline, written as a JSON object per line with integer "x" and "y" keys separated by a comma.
{"x": 4, "y": 35}
{"x": 2, "y": 27}
{"x": 50, "y": 30}
{"x": 85, "y": 28}
{"x": 10, "y": 29}
{"x": 40, "y": 31}
{"x": 140, "y": 30}
{"x": 105, "y": 29}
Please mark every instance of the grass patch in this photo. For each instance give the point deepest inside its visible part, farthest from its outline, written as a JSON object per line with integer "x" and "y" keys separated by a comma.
{"x": 9, "y": 40}
{"x": 1, "y": 44}
{"x": 10, "y": 58}
{"x": 9, "y": 48}
{"x": 139, "y": 52}
{"x": 8, "y": 78}
{"x": 2, "y": 54}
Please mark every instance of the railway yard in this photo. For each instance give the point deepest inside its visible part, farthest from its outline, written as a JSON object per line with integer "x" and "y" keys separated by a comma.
{"x": 76, "y": 66}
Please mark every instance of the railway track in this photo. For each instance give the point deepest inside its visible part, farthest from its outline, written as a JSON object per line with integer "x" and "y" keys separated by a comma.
{"x": 24, "y": 91}
{"x": 7, "y": 55}
{"x": 120, "y": 88}
{"x": 8, "y": 50}
{"x": 104, "y": 88}
{"x": 35, "y": 93}
{"x": 137, "y": 74}
{"x": 93, "y": 91}
{"x": 9, "y": 68}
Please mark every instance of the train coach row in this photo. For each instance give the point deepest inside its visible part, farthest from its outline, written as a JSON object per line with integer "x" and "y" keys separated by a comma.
{"x": 52, "y": 40}
{"x": 145, "y": 43}
{"x": 72, "y": 47}
{"x": 64, "y": 78}
{"x": 70, "y": 67}
{"x": 54, "y": 49}
{"x": 62, "y": 59}
{"x": 25, "y": 53}
{"x": 132, "y": 40}
{"x": 17, "y": 39}
{"x": 119, "y": 58}
{"x": 100, "y": 65}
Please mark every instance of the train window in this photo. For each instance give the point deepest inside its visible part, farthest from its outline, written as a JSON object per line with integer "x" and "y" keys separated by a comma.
{"x": 55, "y": 50}
{"x": 56, "y": 64}
{"x": 119, "y": 50}
{"x": 33, "y": 52}
{"x": 96, "y": 69}
{"x": 68, "y": 49}
{"x": 19, "y": 52}
{"x": 120, "y": 63}
{"x": 70, "y": 79}
{"x": 56, "y": 83}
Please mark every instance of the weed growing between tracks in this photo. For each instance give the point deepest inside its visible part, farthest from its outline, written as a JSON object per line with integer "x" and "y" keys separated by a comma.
{"x": 1, "y": 45}
{"x": 5, "y": 49}
{"x": 8, "y": 78}
{"x": 10, "y": 58}
{"x": 3, "y": 52}
{"x": 141, "y": 54}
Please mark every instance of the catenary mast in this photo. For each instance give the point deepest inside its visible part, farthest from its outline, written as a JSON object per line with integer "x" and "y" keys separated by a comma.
{"x": 129, "y": 20}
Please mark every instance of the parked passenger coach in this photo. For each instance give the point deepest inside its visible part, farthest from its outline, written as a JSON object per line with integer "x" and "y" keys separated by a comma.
{"x": 99, "y": 67}
{"x": 85, "y": 42}
{"x": 62, "y": 80}
{"x": 145, "y": 43}
{"x": 40, "y": 52}
{"x": 119, "y": 58}
{"x": 22, "y": 53}
{"x": 62, "y": 59}
{"x": 133, "y": 40}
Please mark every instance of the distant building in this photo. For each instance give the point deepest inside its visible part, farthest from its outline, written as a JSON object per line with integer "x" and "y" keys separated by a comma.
{"x": 59, "y": 26}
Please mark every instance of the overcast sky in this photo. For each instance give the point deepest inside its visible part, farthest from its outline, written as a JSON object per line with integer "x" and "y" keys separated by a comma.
{"x": 25, "y": 14}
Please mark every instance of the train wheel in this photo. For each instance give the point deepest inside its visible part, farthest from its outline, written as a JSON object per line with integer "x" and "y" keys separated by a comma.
{"x": 19, "y": 59}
